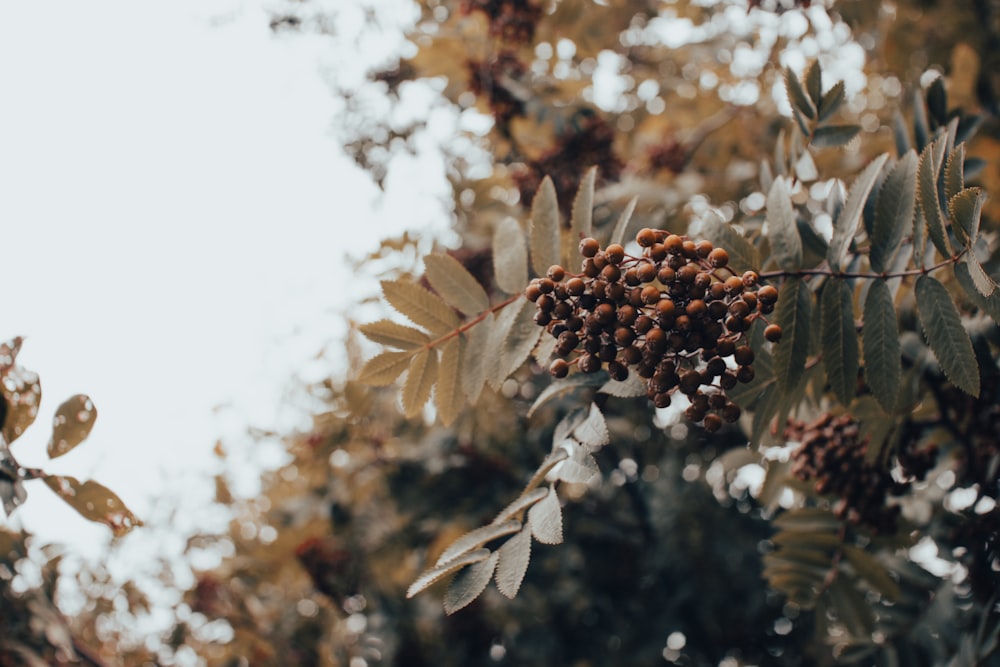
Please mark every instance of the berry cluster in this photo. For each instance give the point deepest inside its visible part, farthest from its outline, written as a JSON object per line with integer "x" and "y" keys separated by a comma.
{"x": 677, "y": 315}
{"x": 832, "y": 455}
{"x": 511, "y": 20}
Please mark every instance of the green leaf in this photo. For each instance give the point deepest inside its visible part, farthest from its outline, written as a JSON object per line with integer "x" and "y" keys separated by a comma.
{"x": 900, "y": 133}
{"x": 831, "y": 101}
{"x": 846, "y": 225}
{"x": 945, "y": 334}
{"x": 976, "y": 282}
{"x": 71, "y": 425}
{"x": 797, "y": 96}
{"x": 966, "y": 209}
{"x": 475, "y": 539}
{"x": 872, "y": 571}
{"x": 793, "y": 316}
{"x": 954, "y": 177}
{"x": 521, "y": 503}
{"x": 894, "y": 211}
{"x": 582, "y": 216}
{"x": 545, "y": 519}
{"x": 448, "y": 397}
{"x": 927, "y": 194}
{"x": 921, "y": 130}
{"x": 783, "y": 233}
{"x": 510, "y": 257}
{"x": 765, "y": 408}
{"x": 621, "y": 227}
{"x": 544, "y": 230}
{"x": 420, "y": 377}
{"x": 394, "y": 334}
{"x": 814, "y": 83}
{"x": 469, "y": 584}
{"x": 94, "y": 502}
{"x": 435, "y": 574}
{"x": 474, "y": 361}
{"x": 834, "y": 136}
{"x": 383, "y": 369}
{"x": 743, "y": 256}
{"x": 880, "y": 342}
{"x": 514, "y": 557}
{"x": 937, "y": 101}
{"x": 840, "y": 340}
{"x": 421, "y": 306}
{"x": 455, "y": 284}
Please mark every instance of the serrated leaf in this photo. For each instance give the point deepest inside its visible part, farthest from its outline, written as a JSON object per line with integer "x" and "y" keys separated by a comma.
{"x": 564, "y": 386}
{"x": 521, "y": 503}
{"x": 927, "y": 194}
{"x": 593, "y": 431}
{"x": 743, "y": 256}
{"x": 797, "y": 96}
{"x": 872, "y": 571}
{"x": 474, "y": 539}
{"x": 793, "y": 315}
{"x": 846, "y": 225}
{"x": 621, "y": 227}
{"x": 780, "y": 156}
{"x": 900, "y": 134}
{"x": 94, "y": 502}
{"x": 782, "y": 232}
{"x": 880, "y": 343}
{"x": 630, "y": 387}
{"x": 976, "y": 282}
{"x": 966, "y": 209}
{"x": 448, "y": 396}
{"x": 945, "y": 334}
{"x": 831, "y": 102}
{"x": 420, "y": 377}
{"x": 954, "y": 178}
{"x": 937, "y": 101}
{"x": 582, "y": 216}
{"x": 384, "y": 368}
{"x": 839, "y": 340}
{"x": 518, "y": 340}
{"x": 814, "y": 83}
{"x": 544, "y": 229}
{"x": 455, "y": 284}
{"x": 474, "y": 360}
{"x": 436, "y": 574}
{"x": 808, "y": 519}
{"x": 894, "y": 211}
{"x": 544, "y": 348}
{"x": 469, "y": 584}
{"x": 71, "y": 425}
{"x": 545, "y": 519}
{"x": 510, "y": 256}
{"x": 514, "y": 557}
{"x": 833, "y": 136}
{"x": 421, "y": 306}
{"x": 921, "y": 131}
{"x": 553, "y": 459}
{"x": 394, "y": 334}
{"x": 579, "y": 468}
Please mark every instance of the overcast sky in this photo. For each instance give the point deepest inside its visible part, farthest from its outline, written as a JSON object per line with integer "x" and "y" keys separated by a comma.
{"x": 174, "y": 210}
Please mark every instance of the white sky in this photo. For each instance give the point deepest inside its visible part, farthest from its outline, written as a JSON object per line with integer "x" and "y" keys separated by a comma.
{"x": 174, "y": 212}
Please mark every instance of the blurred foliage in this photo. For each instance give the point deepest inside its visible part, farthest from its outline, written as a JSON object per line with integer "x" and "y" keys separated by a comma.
{"x": 692, "y": 549}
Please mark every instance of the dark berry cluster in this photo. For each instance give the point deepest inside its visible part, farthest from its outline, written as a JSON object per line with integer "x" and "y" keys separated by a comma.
{"x": 677, "y": 315}
{"x": 510, "y": 20}
{"x": 832, "y": 456}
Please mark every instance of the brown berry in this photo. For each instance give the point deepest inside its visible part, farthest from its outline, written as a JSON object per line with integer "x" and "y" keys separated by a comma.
{"x": 703, "y": 248}
{"x": 773, "y": 333}
{"x": 559, "y": 368}
{"x": 650, "y": 294}
{"x": 743, "y": 355}
{"x": 767, "y": 294}
{"x": 615, "y": 253}
{"x": 673, "y": 244}
{"x": 718, "y": 258}
{"x": 646, "y": 272}
{"x": 645, "y": 237}
{"x": 589, "y": 247}
{"x": 589, "y": 363}
{"x": 712, "y": 423}
{"x": 745, "y": 374}
{"x": 750, "y": 279}
{"x": 556, "y": 273}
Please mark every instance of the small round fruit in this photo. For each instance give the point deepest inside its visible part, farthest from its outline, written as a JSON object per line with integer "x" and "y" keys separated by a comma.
{"x": 718, "y": 258}
{"x": 773, "y": 333}
{"x": 589, "y": 247}
{"x": 559, "y": 368}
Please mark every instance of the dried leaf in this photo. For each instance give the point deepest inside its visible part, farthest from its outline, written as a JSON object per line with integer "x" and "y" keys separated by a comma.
{"x": 383, "y": 369}
{"x": 894, "y": 211}
{"x": 436, "y": 574}
{"x": 394, "y": 334}
{"x": 794, "y": 314}
{"x": 834, "y": 136}
{"x": 71, "y": 425}
{"x": 420, "y": 377}
{"x": 840, "y": 340}
{"x": 945, "y": 334}
{"x": 514, "y": 556}
{"x": 510, "y": 257}
{"x": 544, "y": 232}
{"x": 455, "y": 284}
{"x": 621, "y": 227}
{"x": 475, "y": 539}
{"x": 421, "y": 306}
{"x": 94, "y": 502}
{"x": 782, "y": 230}
{"x": 545, "y": 519}
{"x": 880, "y": 342}
{"x": 846, "y": 225}
{"x": 469, "y": 584}
{"x": 448, "y": 397}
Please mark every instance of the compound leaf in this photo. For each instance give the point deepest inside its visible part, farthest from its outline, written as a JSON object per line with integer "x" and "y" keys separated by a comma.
{"x": 394, "y": 334}
{"x": 421, "y": 306}
{"x": 945, "y": 334}
{"x": 420, "y": 377}
{"x": 384, "y": 368}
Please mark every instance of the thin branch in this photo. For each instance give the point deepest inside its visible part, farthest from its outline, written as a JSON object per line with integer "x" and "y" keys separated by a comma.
{"x": 885, "y": 275}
